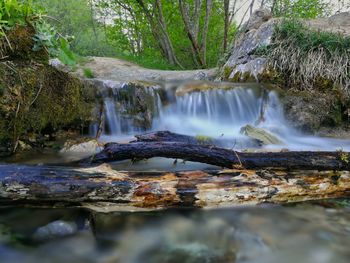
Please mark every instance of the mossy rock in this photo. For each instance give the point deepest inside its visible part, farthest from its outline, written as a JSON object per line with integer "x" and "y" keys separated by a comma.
{"x": 19, "y": 43}
{"x": 38, "y": 98}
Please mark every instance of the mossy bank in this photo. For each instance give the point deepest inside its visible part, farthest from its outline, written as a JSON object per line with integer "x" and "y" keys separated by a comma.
{"x": 36, "y": 100}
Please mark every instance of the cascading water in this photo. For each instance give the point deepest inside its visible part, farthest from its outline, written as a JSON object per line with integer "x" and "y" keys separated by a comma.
{"x": 219, "y": 113}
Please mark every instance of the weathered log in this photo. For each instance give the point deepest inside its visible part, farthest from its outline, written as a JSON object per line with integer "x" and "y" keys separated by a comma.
{"x": 223, "y": 157}
{"x": 103, "y": 189}
{"x": 167, "y": 136}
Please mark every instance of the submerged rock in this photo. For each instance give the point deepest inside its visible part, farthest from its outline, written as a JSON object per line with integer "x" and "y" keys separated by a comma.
{"x": 261, "y": 135}
{"x": 193, "y": 253}
{"x": 56, "y": 229}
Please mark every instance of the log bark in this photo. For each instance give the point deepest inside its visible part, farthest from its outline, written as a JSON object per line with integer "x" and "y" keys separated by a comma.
{"x": 167, "y": 136}
{"x": 221, "y": 157}
{"x": 105, "y": 190}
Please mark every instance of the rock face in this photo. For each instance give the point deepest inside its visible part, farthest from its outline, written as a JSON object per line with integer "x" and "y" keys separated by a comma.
{"x": 242, "y": 64}
{"x": 310, "y": 113}
{"x": 136, "y": 103}
{"x": 309, "y": 110}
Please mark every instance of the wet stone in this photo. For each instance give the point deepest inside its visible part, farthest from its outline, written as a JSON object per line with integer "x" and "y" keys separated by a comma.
{"x": 56, "y": 229}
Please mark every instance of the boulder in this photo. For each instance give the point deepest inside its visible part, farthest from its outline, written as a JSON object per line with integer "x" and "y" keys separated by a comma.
{"x": 83, "y": 146}
{"x": 263, "y": 136}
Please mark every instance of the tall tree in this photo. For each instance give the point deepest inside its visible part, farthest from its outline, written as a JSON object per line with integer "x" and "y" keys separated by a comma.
{"x": 155, "y": 17}
{"x": 191, "y": 22}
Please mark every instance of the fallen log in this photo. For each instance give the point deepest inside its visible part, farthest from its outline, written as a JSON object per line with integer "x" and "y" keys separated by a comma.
{"x": 167, "y": 136}
{"x": 105, "y": 190}
{"x": 223, "y": 157}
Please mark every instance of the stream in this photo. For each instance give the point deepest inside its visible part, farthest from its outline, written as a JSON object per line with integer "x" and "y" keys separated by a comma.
{"x": 305, "y": 232}
{"x": 214, "y": 110}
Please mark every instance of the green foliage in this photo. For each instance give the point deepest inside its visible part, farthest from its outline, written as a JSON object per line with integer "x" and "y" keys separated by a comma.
{"x": 26, "y": 13}
{"x": 343, "y": 156}
{"x": 74, "y": 18}
{"x": 301, "y": 8}
{"x": 14, "y": 12}
{"x": 88, "y": 73}
{"x": 45, "y": 38}
{"x": 306, "y": 39}
{"x": 132, "y": 39}
{"x": 65, "y": 54}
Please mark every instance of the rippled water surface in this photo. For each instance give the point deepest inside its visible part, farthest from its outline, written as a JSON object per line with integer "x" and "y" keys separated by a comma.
{"x": 302, "y": 233}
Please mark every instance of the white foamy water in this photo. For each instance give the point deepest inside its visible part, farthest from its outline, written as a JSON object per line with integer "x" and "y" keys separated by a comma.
{"x": 220, "y": 114}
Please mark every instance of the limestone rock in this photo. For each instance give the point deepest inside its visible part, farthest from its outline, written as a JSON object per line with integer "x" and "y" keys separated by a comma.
{"x": 259, "y": 17}
{"x": 261, "y": 135}
{"x": 242, "y": 65}
{"x": 310, "y": 112}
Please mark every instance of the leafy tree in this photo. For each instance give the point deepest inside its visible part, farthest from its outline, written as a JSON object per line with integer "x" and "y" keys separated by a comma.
{"x": 78, "y": 19}
{"x": 300, "y": 8}
{"x": 187, "y": 34}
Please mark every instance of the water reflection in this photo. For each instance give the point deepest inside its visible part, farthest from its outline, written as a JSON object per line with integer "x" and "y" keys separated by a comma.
{"x": 303, "y": 233}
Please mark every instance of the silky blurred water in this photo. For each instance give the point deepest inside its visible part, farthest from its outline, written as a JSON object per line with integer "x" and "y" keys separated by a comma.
{"x": 219, "y": 113}
{"x": 301, "y": 233}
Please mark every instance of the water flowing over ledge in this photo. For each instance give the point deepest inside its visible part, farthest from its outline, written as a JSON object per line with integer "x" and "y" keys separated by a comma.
{"x": 204, "y": 109}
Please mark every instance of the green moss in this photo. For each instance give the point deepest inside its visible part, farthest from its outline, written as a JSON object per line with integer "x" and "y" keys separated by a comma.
{"x": 88, "y": 73}
{"x": 227, "y": 72}
{"x": 39, "y": 98}
{"x": 202, "y": 139}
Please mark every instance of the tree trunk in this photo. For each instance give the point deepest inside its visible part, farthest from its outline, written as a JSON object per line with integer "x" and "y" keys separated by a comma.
{"x": 163, "y": 27}
{"x": 191, "y": 27}
{"x": 105, "y": 190}
{"x": 159, "y": 30}
{"x": 226, "y": 23}
{"x": 208, "y": 9}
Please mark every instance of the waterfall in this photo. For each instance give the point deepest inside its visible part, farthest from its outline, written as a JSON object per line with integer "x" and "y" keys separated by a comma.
{"x": 218, "y": 113}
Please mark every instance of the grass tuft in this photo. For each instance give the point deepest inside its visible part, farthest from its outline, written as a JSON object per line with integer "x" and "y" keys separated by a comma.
{"x": 88, "y": 73}
{"x": 310, "y": 59}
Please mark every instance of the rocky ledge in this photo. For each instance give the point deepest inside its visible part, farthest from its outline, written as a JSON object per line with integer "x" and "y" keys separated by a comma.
{"x": 324, "y": 103}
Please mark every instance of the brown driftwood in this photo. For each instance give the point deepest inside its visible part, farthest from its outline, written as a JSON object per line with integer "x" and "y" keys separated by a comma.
{"x": 103, "y": 189}
{"x": 223, "y": 157}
